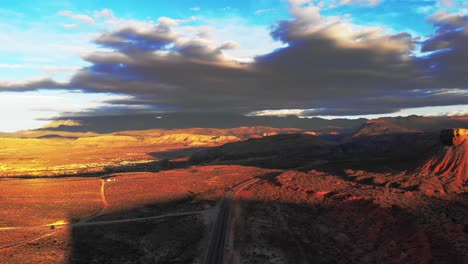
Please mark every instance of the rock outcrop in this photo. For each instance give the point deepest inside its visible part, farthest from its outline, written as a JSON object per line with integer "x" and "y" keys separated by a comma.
{"x": 454, "y": 136}
{"x": 451, "y": 160}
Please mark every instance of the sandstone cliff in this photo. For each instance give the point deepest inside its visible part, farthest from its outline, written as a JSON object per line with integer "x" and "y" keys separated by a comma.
{"x": 454, "y": 136}
{"x": 450, "y": 160}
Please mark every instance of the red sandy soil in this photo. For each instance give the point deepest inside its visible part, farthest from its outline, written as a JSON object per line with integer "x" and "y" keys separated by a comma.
{"x": 131, "y": 190}
{"x": 30, "y": 206}
{"x": 33, "y": 202}
{"x": 462, "y": 118}
{"x": 316, "y": 217}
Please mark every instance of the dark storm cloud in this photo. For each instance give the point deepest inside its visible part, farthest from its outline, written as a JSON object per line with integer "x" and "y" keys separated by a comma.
{"x": 448, "y": 64}
{"x": 328, "y": 65}
{"x": 390, "y": 103}
{"x": 129, "y": 40}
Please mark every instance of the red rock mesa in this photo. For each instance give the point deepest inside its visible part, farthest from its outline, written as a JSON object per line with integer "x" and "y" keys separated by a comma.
{"x": 451, "y": 160}
{"x": 454, "y": 136}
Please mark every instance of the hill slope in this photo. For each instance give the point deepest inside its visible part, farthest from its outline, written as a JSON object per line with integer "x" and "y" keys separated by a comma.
{"x": 449, "y": 160}
{"x": 409, "y": 124}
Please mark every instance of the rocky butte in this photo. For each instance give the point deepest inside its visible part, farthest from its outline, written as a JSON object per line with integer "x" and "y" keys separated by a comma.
{"x": 451, "y": 160}
{"x": 454, "y": 136}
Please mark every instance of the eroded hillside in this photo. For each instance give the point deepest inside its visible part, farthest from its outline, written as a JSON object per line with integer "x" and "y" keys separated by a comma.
{"x": 45, "y": 153}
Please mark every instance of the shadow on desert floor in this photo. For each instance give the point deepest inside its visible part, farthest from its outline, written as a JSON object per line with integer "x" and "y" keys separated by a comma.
{"x": 335, "y": 229}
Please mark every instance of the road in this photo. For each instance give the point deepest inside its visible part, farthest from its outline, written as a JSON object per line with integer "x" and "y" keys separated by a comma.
{"x": 17, "y": 244}
{"x": 121, "y": 221}
{"x": 105, "y": 204}
{"x": 215, "y": 253}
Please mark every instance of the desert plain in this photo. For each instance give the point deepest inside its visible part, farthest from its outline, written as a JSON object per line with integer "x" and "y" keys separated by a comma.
{"x": 393, "y": 191}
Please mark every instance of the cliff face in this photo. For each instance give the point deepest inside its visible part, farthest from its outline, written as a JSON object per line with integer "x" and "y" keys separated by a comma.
{"x": 454, "y": 136}
{"x": 451, "y": 160}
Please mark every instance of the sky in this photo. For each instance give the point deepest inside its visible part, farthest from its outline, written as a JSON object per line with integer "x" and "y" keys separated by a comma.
{"x": 330, "y": 58}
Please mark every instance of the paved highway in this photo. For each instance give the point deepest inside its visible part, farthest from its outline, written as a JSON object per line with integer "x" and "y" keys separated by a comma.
{"x": 216, "y": 249}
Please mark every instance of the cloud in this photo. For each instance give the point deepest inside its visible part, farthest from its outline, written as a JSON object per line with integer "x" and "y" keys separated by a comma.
{"x": 359, "y": 2}
{"x": 31, "y": 85}
{"x": 103, "y": 13}
{"x": 447, "y": 3}
{"x": 328, "y": 66}
{"x": 452, "y": 113}
{"x": 448, "y": 50}
{"x": 262, "y": 11}
{"x": 69, "y": 26}
{"x": 33, "y": 66}
{"x": 425, "y": 9}
{"x": 281, "y": 112}
{"x": 137, "y": 39}
{"x": 80, "y": 17}
{"x": 195, "y": 8}
{"x": 34, "y": 109}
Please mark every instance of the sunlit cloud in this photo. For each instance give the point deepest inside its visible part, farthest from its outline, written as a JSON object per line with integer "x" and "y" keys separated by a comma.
{"x": 308, "y": 64}
{"x": 34, "y": 109}
{"x": 278, "y": 112}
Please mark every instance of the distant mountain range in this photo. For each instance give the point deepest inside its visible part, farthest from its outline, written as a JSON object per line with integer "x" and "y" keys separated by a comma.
{"x": 330, "y": 129}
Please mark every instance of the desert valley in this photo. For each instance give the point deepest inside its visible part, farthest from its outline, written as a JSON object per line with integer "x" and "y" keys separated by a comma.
{"x": 394, "y": 190}
{"x": 234, "y": 132}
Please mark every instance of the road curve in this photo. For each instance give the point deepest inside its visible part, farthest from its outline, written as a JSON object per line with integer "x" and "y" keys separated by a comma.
{"x": 105, "y": 204}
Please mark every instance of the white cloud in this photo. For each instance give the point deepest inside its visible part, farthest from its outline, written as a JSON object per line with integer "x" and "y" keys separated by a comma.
{"x": 195, "y": 8}
{"x": 19, "y": 111}
{"x": 337, "y": 3}
{"x": 279, "y": 112}
{"x": 446, "y": 3}
{"x": 360, "y": 2}
{"x": 463, "y": 111}
{"x": 435, "y": 111}
{"x": 39, "y": 66}
{"x": 310, "y": 22}
{"x": 40, "y": 47}
{"x": 262, "y": 11}
{"x": 69, "y": 26}
{"x": 253, "y": 40}
{"x": 425, "y": 9}
{"x": 80, "y": 17}
{"x": 104, "y": 13}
